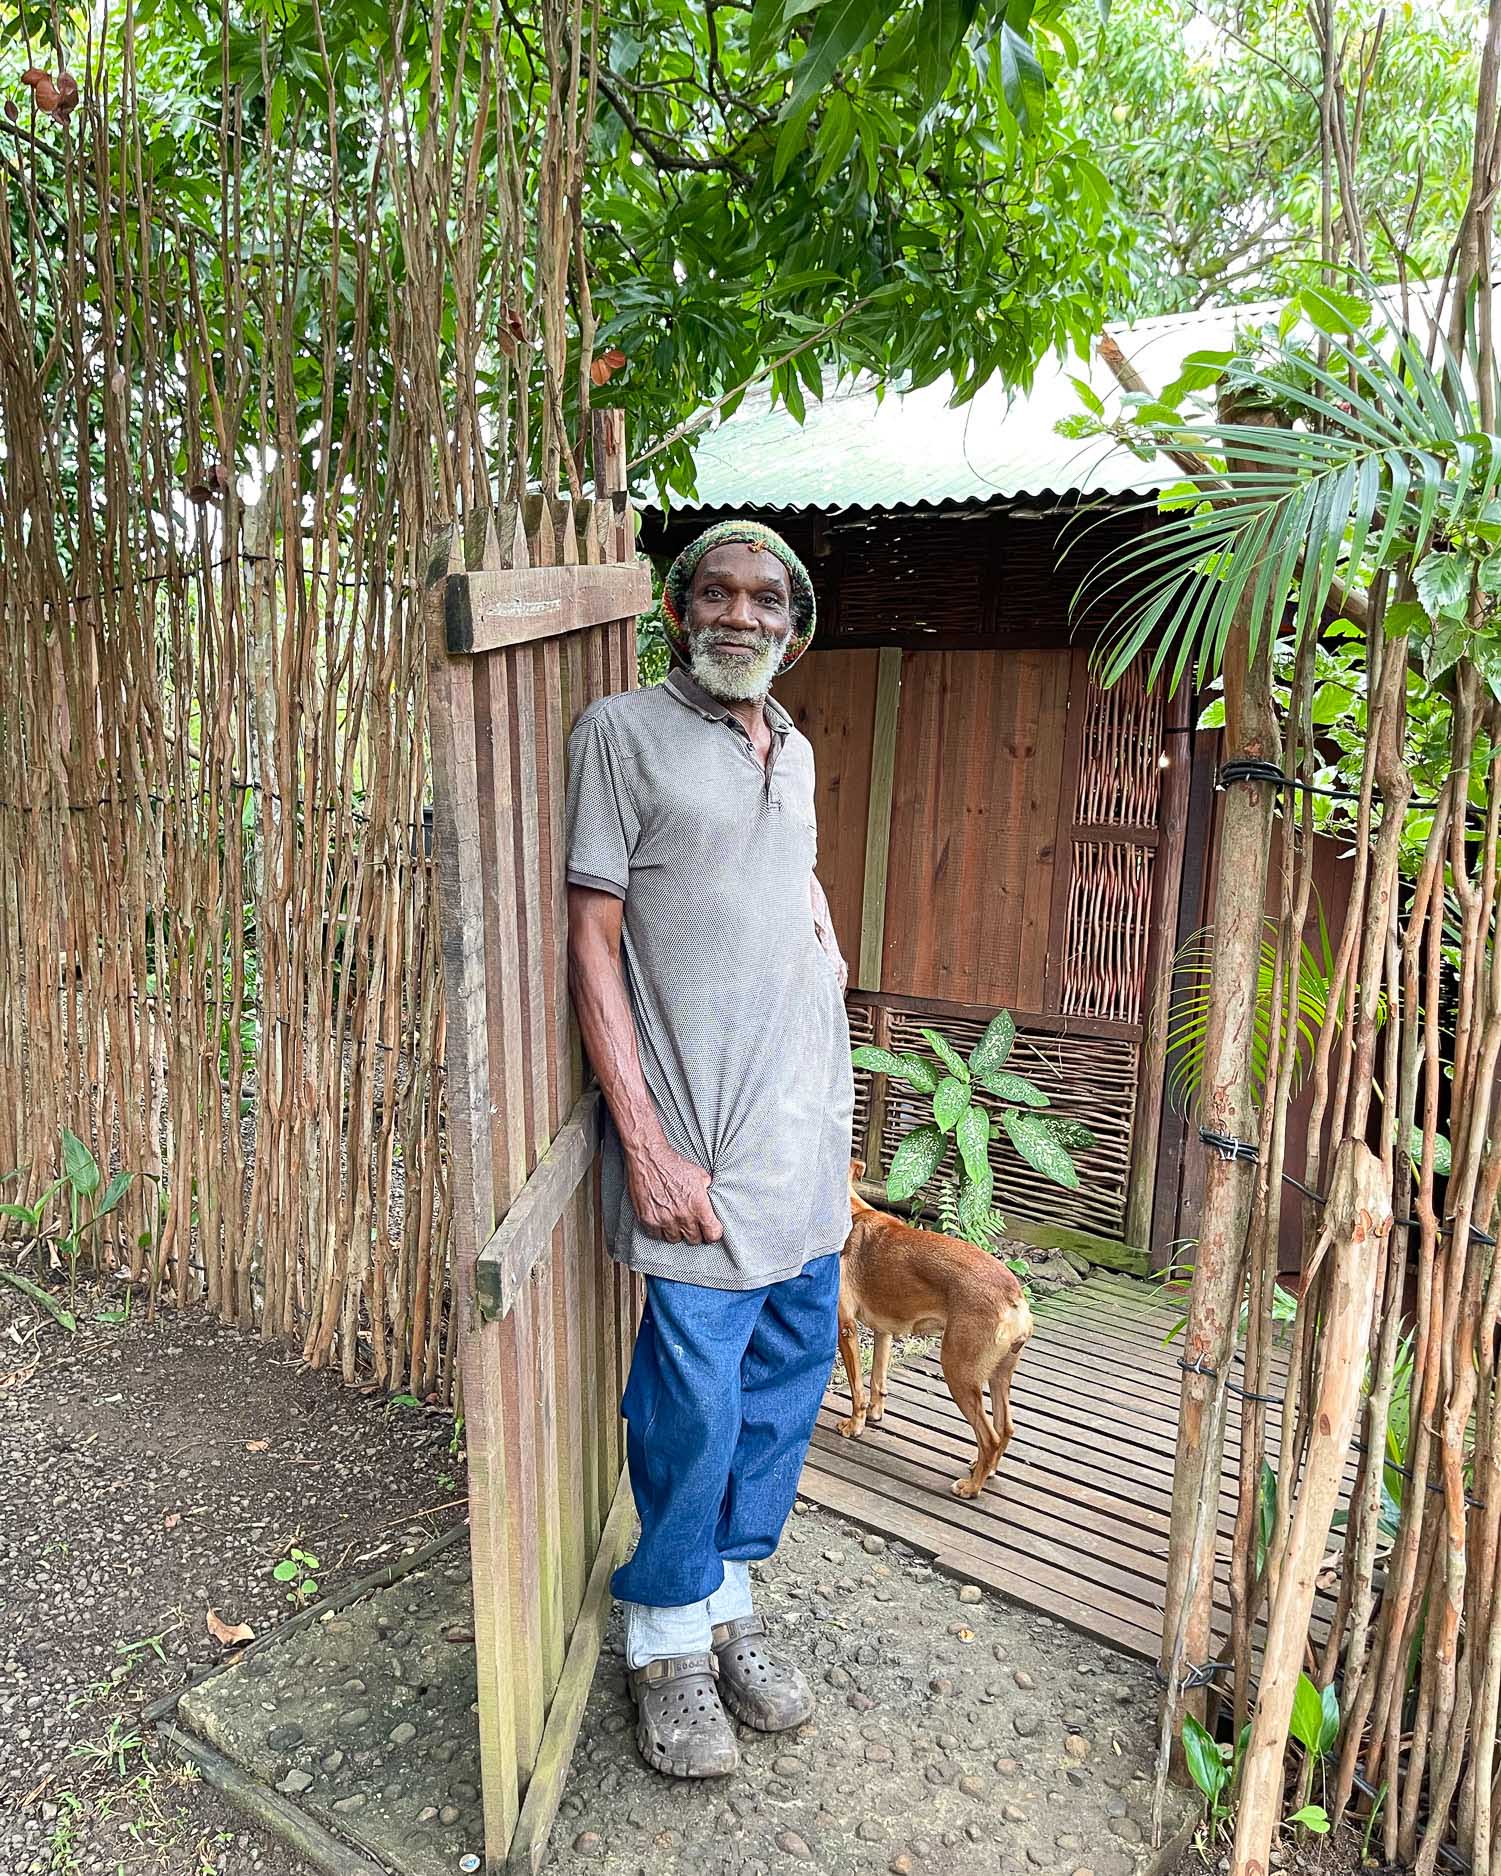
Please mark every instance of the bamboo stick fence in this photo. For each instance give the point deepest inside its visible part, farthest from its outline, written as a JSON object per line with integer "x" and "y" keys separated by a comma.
{"x": 1398, "y": 1327}
{"x": 220, "y": 948}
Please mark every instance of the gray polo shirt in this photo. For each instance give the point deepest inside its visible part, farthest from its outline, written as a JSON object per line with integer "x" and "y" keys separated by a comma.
{"x": 739, "y": 1016}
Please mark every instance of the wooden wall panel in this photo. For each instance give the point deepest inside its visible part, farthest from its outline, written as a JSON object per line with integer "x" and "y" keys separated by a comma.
{"x": 979, "y": 766}
{"x": 831, "y": 696}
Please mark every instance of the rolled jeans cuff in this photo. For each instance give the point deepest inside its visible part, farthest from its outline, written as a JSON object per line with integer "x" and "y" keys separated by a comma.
{"x": 654, "y": 1634}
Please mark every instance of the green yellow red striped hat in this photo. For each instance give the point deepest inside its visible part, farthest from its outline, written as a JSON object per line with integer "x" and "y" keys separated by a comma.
{"x": 752, "y": 534}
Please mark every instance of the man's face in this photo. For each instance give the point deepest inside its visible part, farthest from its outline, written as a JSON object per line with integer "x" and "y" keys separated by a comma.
{"x": 739, "y": 621}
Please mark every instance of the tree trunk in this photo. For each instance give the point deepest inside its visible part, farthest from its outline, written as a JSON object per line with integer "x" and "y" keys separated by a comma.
{"x": 1357, "y": 1218}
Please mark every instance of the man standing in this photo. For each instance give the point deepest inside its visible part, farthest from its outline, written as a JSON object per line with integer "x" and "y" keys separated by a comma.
{"x": 709, "y": 991}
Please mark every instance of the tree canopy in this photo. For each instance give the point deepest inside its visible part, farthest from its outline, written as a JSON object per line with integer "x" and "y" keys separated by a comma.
{"x": 833, "y": 184}
{"x": 1206, "y": 115}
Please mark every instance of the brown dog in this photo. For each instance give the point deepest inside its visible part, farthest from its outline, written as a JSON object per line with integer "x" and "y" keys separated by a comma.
{"x": 898, "y": 1280}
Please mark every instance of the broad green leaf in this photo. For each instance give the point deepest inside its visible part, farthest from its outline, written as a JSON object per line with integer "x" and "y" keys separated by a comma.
{"x": 1445, "y": 648}
{"x": 915, "y": 1162}
{"x": 1443, "y": 1159}
{"x": 994, "y": 1047}
{"x": 1329, "y": 1730}
{"x": 1040, "y": 1149}
{"x": 973, "y": 1137}
{"x": 949, "y": 1101}
{"x": 1405, "y": 616}
{"x": 118, "y": 1186}
{"x": 878, "y": 1061}
{"x": 946, "y": 1053}
{"x": 286, "y": 1570}
{"x": 1307, "y": 1723}
{"x": 1008, "y": 1087}
{"x": 842, "y": 29}
{"x": 1088, "y": 396}
{"x": 44, "y": 1299}
{"x": 79, "y": 1162}
{"x": 1070, "y": 1133}
{"x": 940, "y": 28}
{"x": 1443, "y": 583}
{"x": 1333, "y": 313}
{"x": 24, "y": 1212}
{"x": 1312, "y": 1817}
{"x": 1489, "y": 575}
{"x": 1205, "y": 1766}
{"x": 918, "y": 1072}
{"x": 1023, "y": 80}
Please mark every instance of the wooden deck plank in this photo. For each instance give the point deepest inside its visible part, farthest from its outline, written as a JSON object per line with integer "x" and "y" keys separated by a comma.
{"x": 1075, "y": 1522}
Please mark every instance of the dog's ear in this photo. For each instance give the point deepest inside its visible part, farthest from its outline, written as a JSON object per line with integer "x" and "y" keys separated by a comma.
{"x": 857, "y": 1169}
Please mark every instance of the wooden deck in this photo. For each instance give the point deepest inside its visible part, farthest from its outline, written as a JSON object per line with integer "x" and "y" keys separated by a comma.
{"x": 1075, "y": 1522}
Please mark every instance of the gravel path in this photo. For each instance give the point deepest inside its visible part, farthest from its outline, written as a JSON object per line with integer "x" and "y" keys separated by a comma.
{"x": 955, "y": 1735}
{"x": 150, "y": 1473}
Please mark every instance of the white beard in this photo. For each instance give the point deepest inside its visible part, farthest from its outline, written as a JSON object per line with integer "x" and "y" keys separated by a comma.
{"x": 736, "y": 679}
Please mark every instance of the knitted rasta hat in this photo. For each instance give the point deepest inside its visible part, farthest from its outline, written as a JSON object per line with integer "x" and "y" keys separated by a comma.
{"x": 752, "y": 534}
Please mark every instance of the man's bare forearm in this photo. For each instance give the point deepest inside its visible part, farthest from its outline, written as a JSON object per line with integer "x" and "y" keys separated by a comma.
{"x": 597, "y": 982}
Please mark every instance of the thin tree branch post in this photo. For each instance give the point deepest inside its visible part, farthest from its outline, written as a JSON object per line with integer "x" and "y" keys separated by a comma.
{"x": 1357, "y": 1220}
{"x": 1225, "y": 1107}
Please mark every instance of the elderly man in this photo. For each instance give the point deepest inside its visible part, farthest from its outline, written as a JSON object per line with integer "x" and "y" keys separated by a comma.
{"x": 709, "y": 991}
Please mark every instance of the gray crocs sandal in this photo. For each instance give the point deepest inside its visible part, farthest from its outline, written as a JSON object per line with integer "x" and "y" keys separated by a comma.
{"x": 681, "y": 1728}
{"x": 756, "y": 1687}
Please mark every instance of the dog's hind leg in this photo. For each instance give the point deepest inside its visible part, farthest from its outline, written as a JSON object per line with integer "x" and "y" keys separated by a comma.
{"x": 878, "y": 1369}
{"x": 968, "y": 1391}
{"x": 1000, "y": 1394}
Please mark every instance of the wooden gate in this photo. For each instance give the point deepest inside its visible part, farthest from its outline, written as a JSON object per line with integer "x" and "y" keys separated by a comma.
{"x": 531, "y": 617}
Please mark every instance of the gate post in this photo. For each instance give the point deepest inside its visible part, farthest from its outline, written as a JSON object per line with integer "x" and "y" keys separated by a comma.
{"x": 525, "y": 628}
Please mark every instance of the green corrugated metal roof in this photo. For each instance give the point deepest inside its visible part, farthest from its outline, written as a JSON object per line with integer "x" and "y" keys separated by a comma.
{"x": 914, "y": 449}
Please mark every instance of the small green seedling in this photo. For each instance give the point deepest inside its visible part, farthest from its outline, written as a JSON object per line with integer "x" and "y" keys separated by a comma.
{"x": 299, "y": 1571}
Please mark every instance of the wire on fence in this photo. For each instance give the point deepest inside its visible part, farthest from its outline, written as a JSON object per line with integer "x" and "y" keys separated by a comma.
{"x": 1256, "y": 769}
{"x": 1231, "y": 1149}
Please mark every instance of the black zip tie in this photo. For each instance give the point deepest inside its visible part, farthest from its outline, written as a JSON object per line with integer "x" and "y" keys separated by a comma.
{"x": 1228, "y": 1147}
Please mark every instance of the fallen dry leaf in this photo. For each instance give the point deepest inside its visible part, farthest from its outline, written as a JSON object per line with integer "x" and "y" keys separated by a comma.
{"x": 256, "y": 1446}
{"x": 224, "y": 1633}
{"x": 172, "y": 1520}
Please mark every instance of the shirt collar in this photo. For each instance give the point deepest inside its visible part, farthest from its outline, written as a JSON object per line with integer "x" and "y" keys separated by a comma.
{"x": 687, "y": 689}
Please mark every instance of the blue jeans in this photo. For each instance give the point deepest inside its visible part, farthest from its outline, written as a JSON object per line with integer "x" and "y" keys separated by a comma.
{"x": 723, "y": 1392}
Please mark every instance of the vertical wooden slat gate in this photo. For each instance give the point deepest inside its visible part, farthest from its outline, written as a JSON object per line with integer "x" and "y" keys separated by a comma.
{"x": 531, "y": 616}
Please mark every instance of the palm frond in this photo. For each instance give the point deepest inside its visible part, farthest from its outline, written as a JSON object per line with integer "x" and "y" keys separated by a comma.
{"x": 1380, "y": 452}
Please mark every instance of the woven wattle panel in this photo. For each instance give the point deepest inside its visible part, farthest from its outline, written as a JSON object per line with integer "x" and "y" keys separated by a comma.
{"x": 1088, "y": 1078}
{"x": 1109, "y": 904}
{"x": 939, "y": 579}
{"x": 917, "y": 577}
{"x": 862, "y": 1029}
{"x": 1120, "y": 780}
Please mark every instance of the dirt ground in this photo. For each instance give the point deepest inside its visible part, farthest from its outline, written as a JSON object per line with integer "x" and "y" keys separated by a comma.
{"x": 152, "y": 1473}
{"x": 155, "y": 1473}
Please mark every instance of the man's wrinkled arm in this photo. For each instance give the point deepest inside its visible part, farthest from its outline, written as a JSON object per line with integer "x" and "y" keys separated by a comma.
{"x": 823, "y": 925}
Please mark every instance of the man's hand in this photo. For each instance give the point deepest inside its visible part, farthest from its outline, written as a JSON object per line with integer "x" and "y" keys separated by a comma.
{"x": 670, "y": 1196}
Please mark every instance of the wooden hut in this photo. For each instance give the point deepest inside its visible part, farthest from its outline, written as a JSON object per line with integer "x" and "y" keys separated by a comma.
{"x": 997, "y": 830}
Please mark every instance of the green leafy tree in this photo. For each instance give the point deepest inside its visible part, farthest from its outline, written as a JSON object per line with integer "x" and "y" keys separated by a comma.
{"x": 1208, "y": 115}
{"x": 835, "y": 184}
